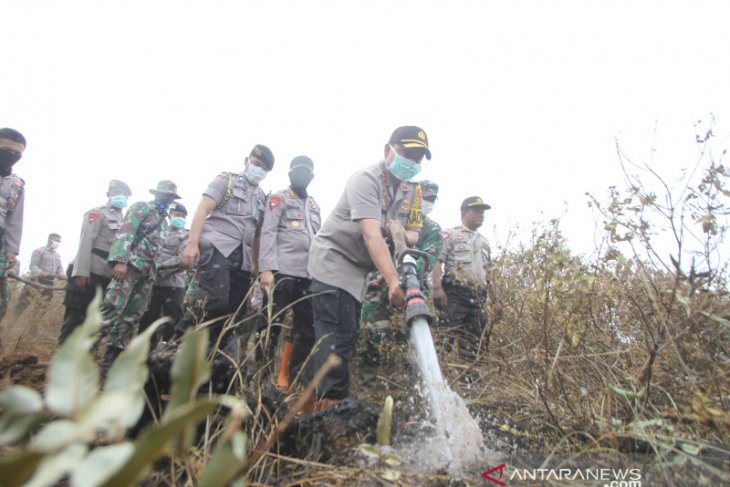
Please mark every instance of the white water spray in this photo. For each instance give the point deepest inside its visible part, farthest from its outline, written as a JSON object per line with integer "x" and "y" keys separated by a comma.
{"x": 456, "y": 441}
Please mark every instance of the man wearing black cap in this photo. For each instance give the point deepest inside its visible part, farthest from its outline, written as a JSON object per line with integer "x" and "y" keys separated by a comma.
{"x": 352, "y": 243}
{"x": 134, "y": 255}
{"x": 90, "y": 268}
{"x": 169, "y": 288}
{"x": 291, "y": 221}
{"x": 224, "y": 242}
{"x": 464, "y": 286}
{"x": 12, "y": 198}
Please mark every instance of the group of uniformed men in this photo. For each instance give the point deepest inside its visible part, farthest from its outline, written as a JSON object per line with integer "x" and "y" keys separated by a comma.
{"x": 145, "y": 259}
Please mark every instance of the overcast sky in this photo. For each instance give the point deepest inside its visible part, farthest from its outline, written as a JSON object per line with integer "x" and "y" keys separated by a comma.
{"x": 521, "y": 100}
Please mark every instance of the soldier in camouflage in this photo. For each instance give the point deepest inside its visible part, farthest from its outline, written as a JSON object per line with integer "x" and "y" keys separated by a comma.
{"x": 169, "y": 288}
{"x": 90, "y": 269}
{"x": 12, "y": 198}
{"x": 467, "y": 280}
{"x": 134, "y": 254}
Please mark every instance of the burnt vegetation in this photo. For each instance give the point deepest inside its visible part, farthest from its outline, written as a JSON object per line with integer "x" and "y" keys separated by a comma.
{"x": 625, "y": 352}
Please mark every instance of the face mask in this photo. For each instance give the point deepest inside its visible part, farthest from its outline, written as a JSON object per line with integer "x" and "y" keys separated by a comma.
{"x": 255, "y": 174}
{"x": 163, "y": 202}
{"x": 7, "y": 159}
{"x": 300, "y": 179}
{"x": 426, "y": 207}
{"x": 177, "y": 222}
{"x": 402, "y": 168}
{"x": 55, "y": 245}
{"x": 118, "y": 201}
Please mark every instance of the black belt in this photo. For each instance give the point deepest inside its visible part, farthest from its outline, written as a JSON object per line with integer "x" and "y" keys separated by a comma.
{"x": 101, "y": 253}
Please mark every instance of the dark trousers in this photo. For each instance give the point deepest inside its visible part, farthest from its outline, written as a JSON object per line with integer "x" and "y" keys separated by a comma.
{"x": 289, "y": 292}
{"x": 466, "y": 317}
{"x": 77, "y": 301}
{"x": 336, "y": 325}
{"x": 222, "y": 288}
{"x": 164, "y": 301}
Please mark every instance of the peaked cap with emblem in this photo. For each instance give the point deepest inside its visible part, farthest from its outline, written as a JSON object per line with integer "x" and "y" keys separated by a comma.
{"x": 177, "y": 206}
{"x": 166, "y": 187}
{"x": 411, "y": 137}
{"x": 120, "y": 185}
{"x": 474, "y": 202}
{"x": 263, "y": 154}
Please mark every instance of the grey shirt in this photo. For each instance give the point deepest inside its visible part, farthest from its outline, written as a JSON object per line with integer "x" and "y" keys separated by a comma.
{"x": 234, "y": 221}
{"x": 171, "y": 274}
{"x": 45, "y": 260}
{"x": 466, "y": 256}
{"x": 12, "y": 201}
{"x": 97, "y": 235}
{"x": 290, "y": 224}
{"x": 338, "y": 255}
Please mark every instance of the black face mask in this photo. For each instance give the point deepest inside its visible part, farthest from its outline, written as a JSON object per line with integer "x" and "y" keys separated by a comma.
{"x": 300, "y": 179}
{"x": 163, "y": 203}
{"x": 7, "y": 160}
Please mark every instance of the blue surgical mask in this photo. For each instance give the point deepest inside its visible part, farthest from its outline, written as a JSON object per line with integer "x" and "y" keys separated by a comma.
{"x": 118, "y": 201}
{"x": 255, "y": 174}
{"x": 426, "y": 207}
{"x": 177, "y": 222}
{"x": 403, "y": 168}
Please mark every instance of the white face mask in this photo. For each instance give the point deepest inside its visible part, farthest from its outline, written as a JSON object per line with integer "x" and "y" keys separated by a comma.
{"x": 55, "y": 244}
{"x": 255, "y": 174}
{"x": 426, "y": 207}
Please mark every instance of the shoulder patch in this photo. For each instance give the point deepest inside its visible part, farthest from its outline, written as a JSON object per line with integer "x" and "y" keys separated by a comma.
{"x": 274, "y": 201}
{"x": 223, "y": 175}
{"x": 93, "y": 215}
{"x": 37, "y": 252}
{"x": 446, "y": 234}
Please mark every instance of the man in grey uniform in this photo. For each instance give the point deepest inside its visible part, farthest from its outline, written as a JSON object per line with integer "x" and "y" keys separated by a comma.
{"x": 45, "y": 267}
{"x": 90, "y": 267}
{"x": 45, "y": 262}
{"x": 291, "y": 221}
{"x": 352, "y": 241}
{"x": 169, "y": 288}
{"x": 12, "y": 198}
{"x": 224, "y": 242}
{"x": 464, "y": 286}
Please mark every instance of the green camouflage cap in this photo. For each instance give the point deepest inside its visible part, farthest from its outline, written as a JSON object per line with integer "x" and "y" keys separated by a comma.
{"x": 166, "y": 187}
{"x": 429, "y": 188}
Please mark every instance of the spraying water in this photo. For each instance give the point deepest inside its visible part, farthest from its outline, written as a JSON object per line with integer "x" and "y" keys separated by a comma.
{"x": 453, "y": 440}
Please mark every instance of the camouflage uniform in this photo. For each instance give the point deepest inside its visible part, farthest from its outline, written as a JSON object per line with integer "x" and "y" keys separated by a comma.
{"x": 12, "y": 198}
{"x": 138, "y": 244}
{"x": 169, "y": 287}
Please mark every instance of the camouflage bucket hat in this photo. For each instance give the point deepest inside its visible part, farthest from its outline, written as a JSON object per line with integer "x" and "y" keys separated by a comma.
{"x": 166, "y": 187}
{"x": 429, "y": 188}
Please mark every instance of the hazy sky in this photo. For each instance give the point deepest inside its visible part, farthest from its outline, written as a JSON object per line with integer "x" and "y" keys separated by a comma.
{"x": 521, "y": 100}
